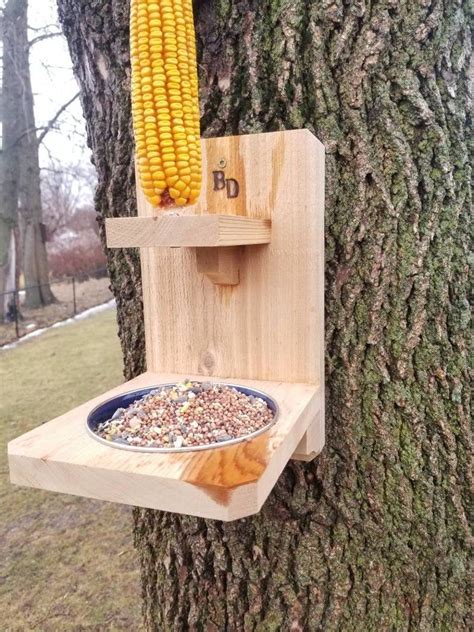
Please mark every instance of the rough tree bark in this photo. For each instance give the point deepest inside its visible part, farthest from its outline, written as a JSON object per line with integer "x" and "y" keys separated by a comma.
{"x": 373, "y": 534}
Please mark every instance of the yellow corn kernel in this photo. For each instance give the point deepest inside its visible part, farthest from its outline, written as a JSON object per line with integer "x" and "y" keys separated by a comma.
{"x": 174, "y": 193}
{"x": 171, "y": 171}
{"x": 180, "y": 186}
{"x": 172, "y": 180}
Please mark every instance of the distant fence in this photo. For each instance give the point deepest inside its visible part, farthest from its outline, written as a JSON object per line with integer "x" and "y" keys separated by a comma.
{"x": 73, "y": 295}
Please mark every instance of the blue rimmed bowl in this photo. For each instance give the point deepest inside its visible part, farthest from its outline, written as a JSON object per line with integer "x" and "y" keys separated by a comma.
{"x": 106, "y": 410}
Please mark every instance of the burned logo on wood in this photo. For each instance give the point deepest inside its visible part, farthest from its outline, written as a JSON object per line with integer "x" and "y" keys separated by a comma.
{"x": 231, "y": 185}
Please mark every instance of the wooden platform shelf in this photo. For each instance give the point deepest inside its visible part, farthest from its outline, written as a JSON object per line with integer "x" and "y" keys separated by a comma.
{"x": 225, "y": 483}
{"x": 197, "y": 231}
{"x": 233, "y": 291}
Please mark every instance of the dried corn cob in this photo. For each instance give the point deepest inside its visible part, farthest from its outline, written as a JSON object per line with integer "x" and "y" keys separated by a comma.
{"x": 165, "y": 100}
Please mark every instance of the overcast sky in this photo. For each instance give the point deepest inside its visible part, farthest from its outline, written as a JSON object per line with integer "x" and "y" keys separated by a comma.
{"x": 54, "y": 85}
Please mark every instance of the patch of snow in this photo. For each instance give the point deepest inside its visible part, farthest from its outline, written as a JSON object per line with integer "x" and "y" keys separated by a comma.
{"x": 82, "y": 316}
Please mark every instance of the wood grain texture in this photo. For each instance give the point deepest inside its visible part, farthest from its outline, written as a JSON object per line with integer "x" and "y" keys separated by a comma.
{"x": 183, "y": 230}
{"x": 220, "y": 265}
{"x": 225, "y": 483}
{"x": 271, "y": 325}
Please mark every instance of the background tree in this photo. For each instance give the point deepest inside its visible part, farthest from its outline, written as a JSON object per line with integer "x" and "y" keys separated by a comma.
{"x": 66, "y": 194}
{"x": 9, "y": 184}
{"x": 26, "y": 144}
{"x": 20, "y": 173}
{"x": 74, "y": 247}
{"x": 373, "y": 534}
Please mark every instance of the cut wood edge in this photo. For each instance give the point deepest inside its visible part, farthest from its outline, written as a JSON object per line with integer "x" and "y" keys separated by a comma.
{"x": 187, "y": 231}
{"x": 313, "y": 440}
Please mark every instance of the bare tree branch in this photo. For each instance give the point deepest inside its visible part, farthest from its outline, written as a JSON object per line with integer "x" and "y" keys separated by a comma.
{"x": 45, "y": 36}
{"x": 47, "y": 128}
{"x": 44, "y": 129}
{"x": 35, "y": 29}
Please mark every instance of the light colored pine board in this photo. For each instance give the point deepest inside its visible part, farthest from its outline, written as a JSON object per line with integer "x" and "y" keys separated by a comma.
{"x": 269, "y": 326}
{"x": 186, "y": 231}
{"x": 224, "y": 483}
{"x": 312, "y": 441}
{"x": 220, "y": 265}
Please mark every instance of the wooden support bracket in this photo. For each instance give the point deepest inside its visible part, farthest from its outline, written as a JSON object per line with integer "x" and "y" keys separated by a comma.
{"x": 220, "y": 265}
{"x": 217, "y": 238}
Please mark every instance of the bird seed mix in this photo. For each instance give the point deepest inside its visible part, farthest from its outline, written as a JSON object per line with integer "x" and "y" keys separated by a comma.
{"x": 187, "y": 415}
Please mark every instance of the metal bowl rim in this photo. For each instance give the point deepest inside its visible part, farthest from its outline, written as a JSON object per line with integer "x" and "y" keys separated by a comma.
{"x": 200, "y": 448}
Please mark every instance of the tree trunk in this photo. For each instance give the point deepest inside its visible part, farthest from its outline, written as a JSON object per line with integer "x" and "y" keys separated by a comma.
{"x": 9, "y": 302}
{"x": 35, "y": 261}
{"x": 10, "y": 96}
{"x": 373, "y": 534}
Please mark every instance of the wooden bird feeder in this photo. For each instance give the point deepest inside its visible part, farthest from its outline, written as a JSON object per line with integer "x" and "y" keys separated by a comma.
{"x": 233, "y": 291}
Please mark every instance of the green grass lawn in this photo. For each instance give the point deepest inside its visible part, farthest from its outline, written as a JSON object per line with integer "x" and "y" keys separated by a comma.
{"x": 66, "y": 563}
